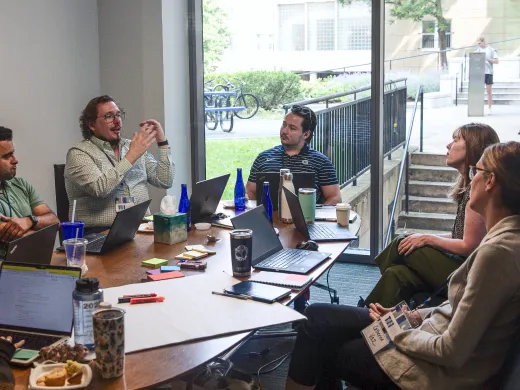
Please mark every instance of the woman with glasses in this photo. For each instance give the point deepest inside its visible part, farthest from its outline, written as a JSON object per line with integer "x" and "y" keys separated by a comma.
{"x": 461, "y": 344}
{"x": 416, "y": 262}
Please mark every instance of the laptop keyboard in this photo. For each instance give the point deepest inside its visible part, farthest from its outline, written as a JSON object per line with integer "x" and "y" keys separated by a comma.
{"x": 320, "y": 231}
{"x": 32, "y": 341}
{"x": 285, "y": 258}
{"x": 95, "y": 246}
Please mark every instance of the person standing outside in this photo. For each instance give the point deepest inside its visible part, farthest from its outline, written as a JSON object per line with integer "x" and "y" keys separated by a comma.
{"x": 491, "y": 59}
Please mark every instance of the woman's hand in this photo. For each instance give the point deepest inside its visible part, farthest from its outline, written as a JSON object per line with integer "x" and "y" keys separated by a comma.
{"x": 412, "y": 242}
{"x": 9, "y": 339}
{"x": 375, "y": 311}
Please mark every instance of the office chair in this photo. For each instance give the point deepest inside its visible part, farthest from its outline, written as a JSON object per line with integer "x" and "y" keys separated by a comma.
{"x": 62, "y": 200}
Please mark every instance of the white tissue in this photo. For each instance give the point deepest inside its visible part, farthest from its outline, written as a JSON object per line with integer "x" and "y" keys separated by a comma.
{"x": 169, "y": 205}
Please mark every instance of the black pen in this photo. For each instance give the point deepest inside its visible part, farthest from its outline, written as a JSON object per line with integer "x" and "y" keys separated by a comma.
{"x": 243, "y": 297}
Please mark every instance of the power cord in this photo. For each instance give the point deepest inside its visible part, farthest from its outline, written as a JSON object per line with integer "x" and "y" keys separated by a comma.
{"x": 335, "y": 298}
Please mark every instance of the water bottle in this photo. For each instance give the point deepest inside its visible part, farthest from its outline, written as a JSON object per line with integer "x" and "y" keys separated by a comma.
{"x": 266, "y": 201}
{"x": 85, "y": 299}
{"x": 284, "y": 210}
{"x": 240, "y": 192}
{"x": 184, "y": 205}
{"x": 280, "y": 191}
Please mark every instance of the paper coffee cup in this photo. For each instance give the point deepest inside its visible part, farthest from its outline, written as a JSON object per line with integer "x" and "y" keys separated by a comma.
{"x": 343, "y": 214}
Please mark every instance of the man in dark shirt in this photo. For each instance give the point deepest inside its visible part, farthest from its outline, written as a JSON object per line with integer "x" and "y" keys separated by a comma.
{"x": 296, "y": 154}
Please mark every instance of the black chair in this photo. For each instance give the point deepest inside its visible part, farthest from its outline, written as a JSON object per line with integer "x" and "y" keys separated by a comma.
{"x": 62, "y": 200}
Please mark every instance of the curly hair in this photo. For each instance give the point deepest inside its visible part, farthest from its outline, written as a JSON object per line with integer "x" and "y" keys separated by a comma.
{"x": 89, "y": 114}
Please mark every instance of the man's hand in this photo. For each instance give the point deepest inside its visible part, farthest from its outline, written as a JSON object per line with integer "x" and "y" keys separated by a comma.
{"x": 13, "y": 228}
{"x": 140, "y": 143}
{"x": 9, "y": 339}
{"x": 152, "y": 123}
{"x": 375, "y": 311}
{"x": 412, "y": 242}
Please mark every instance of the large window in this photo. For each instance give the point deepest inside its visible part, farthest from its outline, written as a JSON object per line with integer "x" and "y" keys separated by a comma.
{"x": 291, "y": 27}
{"x": 430, "y": 36}
{"x": 321, "y": 25}
{"x": 354, "y": 30}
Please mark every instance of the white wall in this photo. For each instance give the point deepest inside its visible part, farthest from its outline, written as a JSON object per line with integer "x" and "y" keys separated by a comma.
{"x": 49, "y": 69}
{"x": 148, "y": 74}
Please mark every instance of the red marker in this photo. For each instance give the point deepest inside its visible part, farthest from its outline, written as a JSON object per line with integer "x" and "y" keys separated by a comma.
{"x": 134, "y": 301}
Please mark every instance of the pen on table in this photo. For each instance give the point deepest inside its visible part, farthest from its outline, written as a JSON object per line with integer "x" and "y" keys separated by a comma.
{"x": 243, "y": 297}
{"x": 134, "y": 301}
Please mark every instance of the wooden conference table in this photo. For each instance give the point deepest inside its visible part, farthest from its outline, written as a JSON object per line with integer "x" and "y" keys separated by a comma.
{"x": 123, "y": 266}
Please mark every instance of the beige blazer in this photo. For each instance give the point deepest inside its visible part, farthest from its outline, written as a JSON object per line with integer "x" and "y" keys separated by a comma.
{"x": 464, "y": 341}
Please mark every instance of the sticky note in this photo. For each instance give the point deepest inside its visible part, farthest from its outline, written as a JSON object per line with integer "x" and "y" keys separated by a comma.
{"x": 24, "y": 354}
{"x": 154, "y": 263}
{"x": 149, "y": 218}
{"x": 182, "y": 257}
{"x": 169, "y": 268}
{"x": 200, "y": 248}
{"x": 155, "y": 271}
{"x": 166, "y": 275}
{"x": 194, "y": 255}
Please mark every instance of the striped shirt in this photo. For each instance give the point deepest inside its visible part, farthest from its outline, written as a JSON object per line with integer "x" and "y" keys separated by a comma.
{"x": 95, "y": 178}
{"x": 308, "y": 160}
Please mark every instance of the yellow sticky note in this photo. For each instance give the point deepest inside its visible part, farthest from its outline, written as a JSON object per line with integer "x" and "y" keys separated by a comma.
{"x": 200, "y": 248}
{"x": 154, "y": 263}
{"x": 194, "y": 255}
{"x": 149, "y": 218}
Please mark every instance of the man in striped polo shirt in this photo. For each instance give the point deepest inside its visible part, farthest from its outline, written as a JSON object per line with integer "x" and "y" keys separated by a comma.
{"x": 296, "y": 154}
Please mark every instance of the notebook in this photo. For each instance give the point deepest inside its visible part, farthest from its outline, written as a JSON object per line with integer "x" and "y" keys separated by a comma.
{"x": 293, "y": 281}
{"x": 259, "y": 292}
{"x": 166, "y": 276}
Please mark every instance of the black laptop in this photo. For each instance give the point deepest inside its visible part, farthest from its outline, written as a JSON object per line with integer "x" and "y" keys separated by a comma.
{"x": 123, "y": 229}
{"x": 300, "y": 180}
{"x": 35, "y": 248}
{"x": 205, "y": 198}
{"x": 268, "y": 252}
{"x": 36, "y": 306}
{"x": 325, "y": 231}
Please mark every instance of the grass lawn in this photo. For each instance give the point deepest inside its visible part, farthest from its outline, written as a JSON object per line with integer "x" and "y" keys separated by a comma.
{"x": 225, "y": 156}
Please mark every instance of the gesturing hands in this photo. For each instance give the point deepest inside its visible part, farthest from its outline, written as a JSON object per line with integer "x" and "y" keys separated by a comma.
{"x": 412, "y": 242}
{"x": 13, "y": 228}
{"x": 141, "y": 141}
{"x": 9, "y": 339}
{"x": 152, "y": 123}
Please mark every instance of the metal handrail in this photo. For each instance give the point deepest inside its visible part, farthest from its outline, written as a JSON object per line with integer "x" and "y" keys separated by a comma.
{"x": 404, "y": 164}
{"x": 429, "y": 53}
{"x": 339, "y": 94}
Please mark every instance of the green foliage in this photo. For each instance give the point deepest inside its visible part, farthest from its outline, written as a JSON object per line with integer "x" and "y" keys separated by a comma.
{"x": 335, "y": 84}
{"x": 216, "y": 37}
{"x": 271, "y": 88}
{"x": 226, "y": 155}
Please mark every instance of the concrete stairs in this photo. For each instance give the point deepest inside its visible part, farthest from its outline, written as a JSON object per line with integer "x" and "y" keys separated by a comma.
{"x": 430, "y": 209}
{"x": 503, "y": 93}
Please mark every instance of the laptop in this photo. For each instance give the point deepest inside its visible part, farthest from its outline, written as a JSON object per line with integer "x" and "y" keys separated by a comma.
{"x": 36, "y": 305}
{"x": 300, "y": 180}
{"x": 34, "y": 248}
{"x": 315, "y": 231}
{"x": 268, "y": 252}
{"x": 123, "y": 229}
{"x": 205, "y": 198}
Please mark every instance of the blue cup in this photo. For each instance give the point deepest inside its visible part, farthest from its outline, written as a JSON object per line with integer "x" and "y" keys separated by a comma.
{"x": 69, "y": 229}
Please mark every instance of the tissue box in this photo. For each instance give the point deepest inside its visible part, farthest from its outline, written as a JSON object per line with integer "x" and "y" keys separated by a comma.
{"x": 170, "y": 229}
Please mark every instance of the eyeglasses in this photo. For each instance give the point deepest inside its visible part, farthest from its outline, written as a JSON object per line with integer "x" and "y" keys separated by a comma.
{"x": 109, "y": 117}
{"x": 473, "y": 171}
{"x": 304, "y": 111}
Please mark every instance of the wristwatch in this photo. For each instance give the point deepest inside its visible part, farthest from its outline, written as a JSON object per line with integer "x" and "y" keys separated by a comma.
{"x": 33, "y": 219}
{"x": 162, "y": 143}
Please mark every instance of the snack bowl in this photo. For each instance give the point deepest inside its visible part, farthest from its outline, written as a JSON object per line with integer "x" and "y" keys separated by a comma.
{"x": 43, "y": 369}
{"x": 202, "y": 226}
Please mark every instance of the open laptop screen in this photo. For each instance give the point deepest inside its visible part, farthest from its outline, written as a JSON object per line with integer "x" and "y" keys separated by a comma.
{"x": 37, "y": 297}
{"x": 265, "y": 240}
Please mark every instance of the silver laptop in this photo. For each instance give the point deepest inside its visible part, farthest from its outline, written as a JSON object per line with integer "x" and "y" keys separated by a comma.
{"x": 36, "y": 306}
{"x": 34, "y": 248}
{"x": 326, "y": 231}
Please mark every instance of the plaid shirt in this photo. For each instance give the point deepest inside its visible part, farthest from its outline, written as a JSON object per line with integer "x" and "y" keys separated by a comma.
{"x": 95, "y": 178}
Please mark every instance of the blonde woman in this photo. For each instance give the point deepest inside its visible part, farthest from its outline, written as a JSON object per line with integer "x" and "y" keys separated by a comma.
{"x": 460, "y": 344}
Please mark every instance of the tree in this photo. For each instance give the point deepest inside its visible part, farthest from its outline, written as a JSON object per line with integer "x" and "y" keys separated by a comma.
{"x": 417, "y": 10}
{"x": 216, "y": 37}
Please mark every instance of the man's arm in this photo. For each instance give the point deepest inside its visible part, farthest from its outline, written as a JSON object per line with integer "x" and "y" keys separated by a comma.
{"x": 251, "y": 190}
{"x": 251, "y": 180}
{"x": 13, "y": 228}
{"x": 6, "y": 353}
{"x": 160, "y": 173}
{"x": 331, "y": 194}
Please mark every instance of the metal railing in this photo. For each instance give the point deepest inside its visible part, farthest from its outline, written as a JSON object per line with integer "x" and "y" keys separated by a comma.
{"x": 404, "y": 170}
{"x": 343, "y": 131}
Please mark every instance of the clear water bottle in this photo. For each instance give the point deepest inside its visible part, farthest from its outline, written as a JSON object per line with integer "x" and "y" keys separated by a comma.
{"x": 184, "y": 205}
{"x": 280, "y": 191}
{"x": 240, "y": 192}
{"x": 266, "y": 201}
{"x": 284, "y": 211}
{"x": 85, "y": 299}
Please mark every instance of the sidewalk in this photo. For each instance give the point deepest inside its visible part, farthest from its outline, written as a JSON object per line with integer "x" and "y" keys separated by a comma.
{"x": 439, "y": 124}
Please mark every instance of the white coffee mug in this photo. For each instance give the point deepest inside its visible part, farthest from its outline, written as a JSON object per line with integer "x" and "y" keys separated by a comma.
{"x": 343, "y": 214}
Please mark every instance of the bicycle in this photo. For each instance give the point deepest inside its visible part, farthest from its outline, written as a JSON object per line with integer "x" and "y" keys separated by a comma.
{"x": 249, "y": 101}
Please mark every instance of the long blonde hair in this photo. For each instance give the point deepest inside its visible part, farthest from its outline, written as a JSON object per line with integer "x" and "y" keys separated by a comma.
{"x": 478, "y": 136}
{"x": 503, "y": 160}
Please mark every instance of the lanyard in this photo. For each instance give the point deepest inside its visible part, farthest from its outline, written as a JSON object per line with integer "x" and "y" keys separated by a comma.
{"x": 6, "y": 195}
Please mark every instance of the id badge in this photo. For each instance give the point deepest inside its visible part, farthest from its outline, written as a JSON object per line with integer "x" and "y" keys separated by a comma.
{"x": 124, "y": 202}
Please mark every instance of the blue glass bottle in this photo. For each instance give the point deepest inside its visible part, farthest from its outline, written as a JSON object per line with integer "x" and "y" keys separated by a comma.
{"x": 240, "y": 192}
{"x": 184, "y": 205}
{"x": 266, "y": 201}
